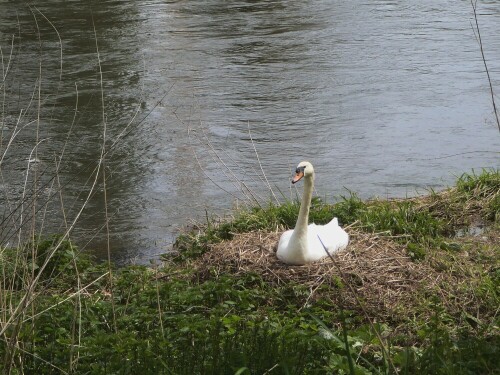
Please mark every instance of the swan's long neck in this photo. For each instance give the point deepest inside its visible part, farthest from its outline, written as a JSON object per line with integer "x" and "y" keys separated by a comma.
{"x": 303, "y": 219}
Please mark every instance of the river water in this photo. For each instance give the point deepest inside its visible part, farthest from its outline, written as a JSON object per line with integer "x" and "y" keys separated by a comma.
{"x": 385, "y": 98}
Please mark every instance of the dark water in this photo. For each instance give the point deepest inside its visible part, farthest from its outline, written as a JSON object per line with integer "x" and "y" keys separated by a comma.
{"x": 384, "y": 97}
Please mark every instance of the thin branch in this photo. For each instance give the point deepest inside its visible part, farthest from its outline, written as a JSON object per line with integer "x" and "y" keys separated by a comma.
{"x": 474, "y": 7}
{"x": 260, "y": 165}
{"x": 103, "y": 161}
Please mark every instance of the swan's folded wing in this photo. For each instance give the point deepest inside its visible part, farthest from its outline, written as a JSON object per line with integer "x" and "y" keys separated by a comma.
{"x": 333, "y": 236}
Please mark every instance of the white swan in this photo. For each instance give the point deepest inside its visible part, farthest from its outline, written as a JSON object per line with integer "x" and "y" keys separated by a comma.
{"x": 303, "y": 245}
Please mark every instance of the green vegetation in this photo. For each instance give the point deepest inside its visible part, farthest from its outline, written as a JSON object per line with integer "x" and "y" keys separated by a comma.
{"x": 474, "y": 201}
{"x": 82, "y": 317}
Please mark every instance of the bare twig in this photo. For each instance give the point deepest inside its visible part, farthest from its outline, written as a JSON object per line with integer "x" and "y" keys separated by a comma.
{"x": 474, "y": 8}
{"x": 103, "y": 161}
{"x": 260, "y": 165}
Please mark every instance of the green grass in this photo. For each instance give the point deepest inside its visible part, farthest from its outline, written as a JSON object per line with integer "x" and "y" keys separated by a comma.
{"x": 414, "y": 221}
{"x": 172, "y": 321}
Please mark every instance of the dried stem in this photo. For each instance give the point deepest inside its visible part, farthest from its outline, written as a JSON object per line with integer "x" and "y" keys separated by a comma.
{"x": 474, "y": 8}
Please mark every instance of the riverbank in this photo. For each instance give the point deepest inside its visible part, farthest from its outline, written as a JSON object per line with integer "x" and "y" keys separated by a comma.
{"x": 416, "y": 291}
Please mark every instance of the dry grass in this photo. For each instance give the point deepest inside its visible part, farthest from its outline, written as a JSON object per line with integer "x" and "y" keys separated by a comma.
{"x": 379, "y": 270}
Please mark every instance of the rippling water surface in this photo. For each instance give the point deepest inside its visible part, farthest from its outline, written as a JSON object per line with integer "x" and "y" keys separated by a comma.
{"x": 384, "y": 98}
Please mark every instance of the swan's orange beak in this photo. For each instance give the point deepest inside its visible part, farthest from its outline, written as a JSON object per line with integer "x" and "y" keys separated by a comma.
{"x": 298, "y": 176}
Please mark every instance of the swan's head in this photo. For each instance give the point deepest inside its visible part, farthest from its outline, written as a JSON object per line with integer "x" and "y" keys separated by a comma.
{"x": 304, "y": 169}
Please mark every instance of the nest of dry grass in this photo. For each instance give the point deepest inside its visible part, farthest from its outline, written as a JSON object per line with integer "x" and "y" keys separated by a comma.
{"x": 373, "y": 269}
{"x": 375, "y": 275}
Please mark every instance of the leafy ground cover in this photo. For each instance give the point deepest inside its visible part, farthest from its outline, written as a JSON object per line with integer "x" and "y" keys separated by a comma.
{"x": 417, "y": 291}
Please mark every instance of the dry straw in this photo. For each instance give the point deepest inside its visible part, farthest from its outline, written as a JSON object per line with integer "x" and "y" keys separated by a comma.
{"x": 380, "y": 272}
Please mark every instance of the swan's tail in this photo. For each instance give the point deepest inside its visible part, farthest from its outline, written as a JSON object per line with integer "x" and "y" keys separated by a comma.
{"x": 334, "y": 222}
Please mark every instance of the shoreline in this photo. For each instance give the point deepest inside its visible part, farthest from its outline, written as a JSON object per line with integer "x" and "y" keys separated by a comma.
{"x": 415, "y": 291}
